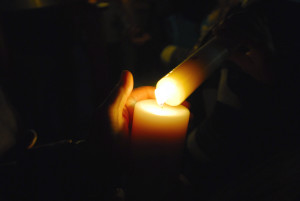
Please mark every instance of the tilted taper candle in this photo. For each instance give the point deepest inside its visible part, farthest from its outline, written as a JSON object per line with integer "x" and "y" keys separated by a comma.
{"x": 183, "y": 80}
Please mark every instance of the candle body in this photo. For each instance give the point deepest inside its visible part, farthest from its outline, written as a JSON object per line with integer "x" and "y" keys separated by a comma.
{"x": 159, "y": 125}
{"x": 157, "y": 142}
{"x": 192, "y": 72}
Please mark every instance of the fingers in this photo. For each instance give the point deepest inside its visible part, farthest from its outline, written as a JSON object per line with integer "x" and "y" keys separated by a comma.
{"x": 186, "y": 104}
{"x": 126, "y": 83}
{"x": 118, "y": 101}
{"x": 142, "y": 93}
{"x": 138, "y": 94}
{"x": 122, "y": 90}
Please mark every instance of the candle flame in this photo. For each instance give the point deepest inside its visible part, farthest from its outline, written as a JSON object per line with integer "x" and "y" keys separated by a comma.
{"x": 164, "y": 91}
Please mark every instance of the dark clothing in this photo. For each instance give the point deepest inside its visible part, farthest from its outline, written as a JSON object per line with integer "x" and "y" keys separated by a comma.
{"x": 245, "y": 153}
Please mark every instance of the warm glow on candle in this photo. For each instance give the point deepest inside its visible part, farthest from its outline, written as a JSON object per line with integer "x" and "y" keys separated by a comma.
{"x": 177, "y": 85}
{"x": 154, "y": 122}
{"x": 167, "y": 89}
{"x": 160, "y": 111}
{"x": 156, "y": 145}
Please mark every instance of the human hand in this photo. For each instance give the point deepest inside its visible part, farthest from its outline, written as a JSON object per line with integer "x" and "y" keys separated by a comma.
{"x": 122, "y": 101}
{"x": 108, "y": 143}
{"x": 247, "y": 35}
{"x": 114, "y": 117}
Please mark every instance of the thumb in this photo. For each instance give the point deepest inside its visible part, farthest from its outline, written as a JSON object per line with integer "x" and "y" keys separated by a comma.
{"x": 119, "y": 98}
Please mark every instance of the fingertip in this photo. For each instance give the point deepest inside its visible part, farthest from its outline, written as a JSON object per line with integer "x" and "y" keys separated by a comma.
{"x": 186, "y": 104}
{"x": 126, "y": 79}
{"x": 125, "y": 74}
{"x": 142, "y": 93}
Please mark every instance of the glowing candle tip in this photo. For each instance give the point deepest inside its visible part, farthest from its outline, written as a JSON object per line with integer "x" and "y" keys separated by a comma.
{"x": 160, "y": 98}
{"x": 164, "y": 90}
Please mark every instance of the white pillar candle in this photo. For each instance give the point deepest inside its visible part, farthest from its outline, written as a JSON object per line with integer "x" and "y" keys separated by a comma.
{"x": 158, "y": 128}
{"x": 157, "y": 142}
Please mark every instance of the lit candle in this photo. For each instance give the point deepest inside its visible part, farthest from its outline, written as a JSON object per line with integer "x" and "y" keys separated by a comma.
{"x": 157, "y": 142}
{"x": 191, "y": 73}
{"x": 158, "y": 130}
